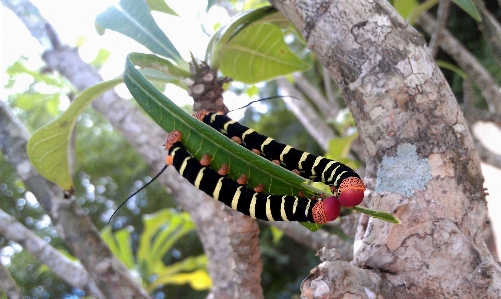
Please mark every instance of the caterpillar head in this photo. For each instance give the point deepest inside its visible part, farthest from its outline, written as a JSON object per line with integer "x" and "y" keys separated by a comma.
{"x": 351, "y": 192}
{"x": 326, "y": 210}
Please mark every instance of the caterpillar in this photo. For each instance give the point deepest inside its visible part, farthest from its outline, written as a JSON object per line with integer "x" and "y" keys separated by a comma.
{"x": 240, "y": 197}
{"x": 343, "y": 181}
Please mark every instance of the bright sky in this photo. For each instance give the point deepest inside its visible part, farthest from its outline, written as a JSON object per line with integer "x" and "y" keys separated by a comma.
{"x": 74, "y": 20}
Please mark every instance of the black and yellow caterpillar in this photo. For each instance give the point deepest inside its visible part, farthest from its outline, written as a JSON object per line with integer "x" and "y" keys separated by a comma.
{"x": 239, "y": 197}
{"x": 343, "y": 181}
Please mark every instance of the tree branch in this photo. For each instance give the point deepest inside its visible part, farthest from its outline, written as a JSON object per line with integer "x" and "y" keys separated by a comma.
{"x": 468, "y": 63}
{"x": 72, "y": 273}
{"x": 8, "y": 285}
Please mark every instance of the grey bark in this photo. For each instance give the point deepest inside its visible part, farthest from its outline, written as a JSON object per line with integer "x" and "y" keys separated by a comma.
{"x": 421, "y": 161}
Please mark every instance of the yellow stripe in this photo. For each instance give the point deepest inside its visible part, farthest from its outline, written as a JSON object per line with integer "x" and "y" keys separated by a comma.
{"x": 282, "y": 210}
{"x": 307, "y": 208}
{"x": 285, "y": 152}
{"x": 295, "y": 205}
{"x": 331, "y": 178}
{"x": 217, "y": 190}
{"x": 183, "y": 166}
{"x": 303, "y": 158}
{"x": 336, "y": 181}
{"x": 227, "y": 124}
{"x": 268, "y": 209}
{"x": 236, "y": 197}
{"x": 252, "y": 208}
{"x": 249, "y": 131}
{"x": 213, "y": 117}
{"x": 199, "y": 177}
{"x": 265, "y": 143}
{"x": 327, "y": 168}
{"x": 317, "y": 160}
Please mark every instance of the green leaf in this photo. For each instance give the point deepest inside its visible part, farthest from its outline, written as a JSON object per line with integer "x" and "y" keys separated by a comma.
{"x": 469, "y": 7}
{"x": 198, "y": 280}
{"x": 218, "y": 42}
{"x": 161, "y": 6}
{"x": 124, "y": 241}
{"x": 201, "y": 139}
{"x": 340, "y": 147}
{"x": 405, "y": 7}
{"x": 133, "y": 19}
{"x": 48, "y": 146}
{"x": 449, "y": 66}
{"x": 376, "y": 214}
{"x": 259, "y": 53}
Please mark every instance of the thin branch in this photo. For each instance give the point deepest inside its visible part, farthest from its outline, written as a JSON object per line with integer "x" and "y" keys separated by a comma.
{"x": 442, "y": 16}
{"x": 330, "y": 92}
{"x": 315, "y": 96}
{"x": 314, "y": 124}
{"x": 8, "y": 285}
{"x": 469, "y": 63}
{"x": 72, "y": 273}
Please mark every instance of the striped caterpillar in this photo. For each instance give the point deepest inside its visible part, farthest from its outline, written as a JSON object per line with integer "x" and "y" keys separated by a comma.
{"x": 239, "y": 197}
{"x": 343, "y": 181}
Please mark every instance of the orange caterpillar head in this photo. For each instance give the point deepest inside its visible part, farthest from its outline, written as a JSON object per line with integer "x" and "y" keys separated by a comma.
{"x": 326, "y": 210}
{"x": 351, "y": 192}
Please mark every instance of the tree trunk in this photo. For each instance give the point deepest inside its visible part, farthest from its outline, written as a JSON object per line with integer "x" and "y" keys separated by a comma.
{"x": 421, "y": 161}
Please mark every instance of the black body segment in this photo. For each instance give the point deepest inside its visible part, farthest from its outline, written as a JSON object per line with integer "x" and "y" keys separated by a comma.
{"x": 240, "y": 197}
{"x": 315, "y": 168}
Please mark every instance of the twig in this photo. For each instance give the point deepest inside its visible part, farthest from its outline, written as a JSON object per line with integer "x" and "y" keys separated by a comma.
{"x": 8, "y": 285}
{"x": 442, "y": 15}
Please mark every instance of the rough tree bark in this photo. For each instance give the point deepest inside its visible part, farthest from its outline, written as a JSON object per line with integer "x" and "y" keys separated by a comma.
{"x": 421, "y": 161}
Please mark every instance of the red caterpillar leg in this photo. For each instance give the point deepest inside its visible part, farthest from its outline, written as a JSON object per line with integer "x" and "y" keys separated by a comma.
{"x": 242, "y": 180}
{"x": 223, "y": 170}
{"x": 205, "y": 161}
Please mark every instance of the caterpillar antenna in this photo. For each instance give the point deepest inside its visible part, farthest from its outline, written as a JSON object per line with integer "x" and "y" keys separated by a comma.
{"x": 265, "y": 99}
{"x": 151, "y": 181}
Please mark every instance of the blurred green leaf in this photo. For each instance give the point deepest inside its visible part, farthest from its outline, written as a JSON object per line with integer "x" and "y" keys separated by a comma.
{"x": 133, "y": 19}
{"x": 48, "y": 146}
{"x": 405, "y": 7}
{"x": 101, "y": 58}
{"x": 469, "y": 7}
{"x": 161, "y": 231}
{"x": 161, "y": 6}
